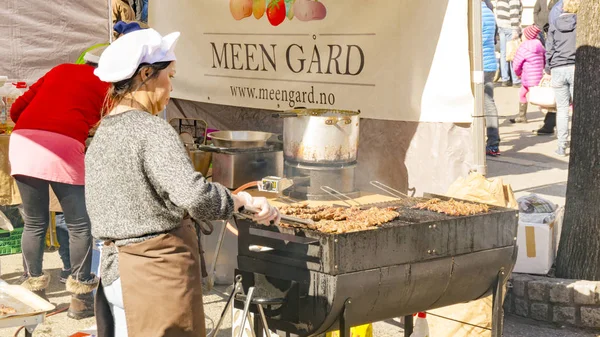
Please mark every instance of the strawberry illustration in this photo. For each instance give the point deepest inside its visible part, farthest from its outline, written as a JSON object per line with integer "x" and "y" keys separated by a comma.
{"x": 276, "y": 12}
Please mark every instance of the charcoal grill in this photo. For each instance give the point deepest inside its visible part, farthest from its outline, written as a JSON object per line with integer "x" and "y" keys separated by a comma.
{"x": 310, "y": 282}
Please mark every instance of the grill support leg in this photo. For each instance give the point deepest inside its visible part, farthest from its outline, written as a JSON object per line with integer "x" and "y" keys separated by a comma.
{"x": 246, "y": 310}
{"x": 497, "y": 310}
{"x": 344, "y": 325}
{"x": 258, "y": 326}
{"x": 408, "y": 325}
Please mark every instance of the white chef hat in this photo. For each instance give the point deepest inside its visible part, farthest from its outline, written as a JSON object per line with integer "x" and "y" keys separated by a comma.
{"x": 121, "y": 59}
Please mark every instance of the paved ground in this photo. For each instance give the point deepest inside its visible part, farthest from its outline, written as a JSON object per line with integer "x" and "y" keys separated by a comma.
{"x": 527, "y": 163}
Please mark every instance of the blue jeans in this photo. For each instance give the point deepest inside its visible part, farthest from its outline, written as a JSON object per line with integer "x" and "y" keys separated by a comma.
{"x": 62, "y": 234}
{"x": 505, "y": 66}
{"x": 562, "y": 81}
{"x": 491, "y": 112}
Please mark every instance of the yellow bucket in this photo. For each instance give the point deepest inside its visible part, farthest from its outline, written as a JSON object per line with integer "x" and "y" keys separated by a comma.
{"x": 365, "y": 330}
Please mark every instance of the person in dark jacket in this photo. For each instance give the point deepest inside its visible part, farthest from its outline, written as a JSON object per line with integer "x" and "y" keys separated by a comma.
{"x": 490, "y": 66}
{"x": 560, "y": 66}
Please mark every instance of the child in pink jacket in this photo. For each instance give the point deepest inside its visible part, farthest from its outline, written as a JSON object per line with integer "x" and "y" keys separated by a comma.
{"x": 528, "y": 64}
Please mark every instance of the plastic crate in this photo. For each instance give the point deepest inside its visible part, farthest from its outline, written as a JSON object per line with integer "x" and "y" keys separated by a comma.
{"x": 10, "y": 242}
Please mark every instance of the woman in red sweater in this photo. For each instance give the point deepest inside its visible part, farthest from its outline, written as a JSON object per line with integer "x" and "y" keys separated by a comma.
{"x": 47, "y": 148}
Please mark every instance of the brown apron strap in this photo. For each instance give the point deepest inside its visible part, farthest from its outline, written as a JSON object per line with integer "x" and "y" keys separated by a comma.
{"x": 202, "y": 259}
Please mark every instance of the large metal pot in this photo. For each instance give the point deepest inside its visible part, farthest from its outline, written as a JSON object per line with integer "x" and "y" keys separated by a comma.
{"x": 240, "y": 139}
{"x": 320, "y": 136}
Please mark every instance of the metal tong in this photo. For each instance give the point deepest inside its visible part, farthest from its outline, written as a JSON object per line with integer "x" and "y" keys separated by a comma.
{"x": 340, "y": 196}
{"x": 249, "y": 212}
{"x": 387, "y": 189}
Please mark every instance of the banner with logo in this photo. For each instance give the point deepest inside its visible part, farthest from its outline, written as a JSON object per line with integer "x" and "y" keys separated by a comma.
{"x": 391, "y": 59}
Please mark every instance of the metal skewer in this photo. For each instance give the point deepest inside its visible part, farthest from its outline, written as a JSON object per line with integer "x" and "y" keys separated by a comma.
{"x": 337, "y": 194}
{"x": 387, "y": 189}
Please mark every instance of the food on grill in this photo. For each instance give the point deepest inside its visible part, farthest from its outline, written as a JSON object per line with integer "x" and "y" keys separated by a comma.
{"x": 6, "y": 310}
{"x": 329, "y": 219}
{"x": 452, "y": 207}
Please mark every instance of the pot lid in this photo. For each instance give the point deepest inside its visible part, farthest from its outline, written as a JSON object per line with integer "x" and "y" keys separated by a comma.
{"x": 241, "y": 136}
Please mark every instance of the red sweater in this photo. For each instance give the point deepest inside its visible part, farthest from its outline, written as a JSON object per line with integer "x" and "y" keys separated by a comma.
{"x": 67, "y": 100}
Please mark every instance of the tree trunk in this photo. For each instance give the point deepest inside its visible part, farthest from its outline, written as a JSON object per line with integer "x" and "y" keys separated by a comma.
{"x": 579, "y": 249}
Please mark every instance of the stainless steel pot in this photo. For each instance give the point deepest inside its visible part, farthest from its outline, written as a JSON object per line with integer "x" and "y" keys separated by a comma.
{"x": 240, "y": 139}
{"x": 320, "y": 136}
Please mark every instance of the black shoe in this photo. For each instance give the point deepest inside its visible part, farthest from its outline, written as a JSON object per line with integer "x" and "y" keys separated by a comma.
{"x": 507, "y": 84}
{"x": 64, "y": 275}
{"x": 543, "y": 132}
{"x": 517, "y": 120}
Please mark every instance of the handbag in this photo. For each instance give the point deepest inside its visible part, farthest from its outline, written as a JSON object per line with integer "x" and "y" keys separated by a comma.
{"x": 511, "y": 49}
{"x": 542, "y": 95}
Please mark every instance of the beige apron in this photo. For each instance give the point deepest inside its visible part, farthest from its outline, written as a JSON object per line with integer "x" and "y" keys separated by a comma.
{"x": 162, "y": 287}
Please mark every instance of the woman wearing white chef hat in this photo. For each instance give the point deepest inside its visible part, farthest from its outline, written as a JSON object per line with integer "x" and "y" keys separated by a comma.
{"x": 140, "y": 184}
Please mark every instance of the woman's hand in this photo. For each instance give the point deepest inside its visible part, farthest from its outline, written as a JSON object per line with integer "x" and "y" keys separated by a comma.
{"x": 267, "y": 214}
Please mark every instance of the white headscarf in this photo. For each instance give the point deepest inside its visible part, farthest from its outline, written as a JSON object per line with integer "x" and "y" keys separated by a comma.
{"x": 121, "y": 59}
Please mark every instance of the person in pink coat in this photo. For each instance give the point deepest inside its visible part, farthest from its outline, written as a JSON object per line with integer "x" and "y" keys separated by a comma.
{"x": 529, "y": 65}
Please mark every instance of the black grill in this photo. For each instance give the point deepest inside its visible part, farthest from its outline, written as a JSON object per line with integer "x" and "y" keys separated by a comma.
{"x": 421, "y": 261}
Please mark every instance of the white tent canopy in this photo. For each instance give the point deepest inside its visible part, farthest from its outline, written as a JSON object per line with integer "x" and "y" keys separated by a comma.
{"x": 36, "y": 35}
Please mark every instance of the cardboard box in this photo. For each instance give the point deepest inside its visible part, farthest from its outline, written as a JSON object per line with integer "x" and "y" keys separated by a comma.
{"x": 536, "y": 248}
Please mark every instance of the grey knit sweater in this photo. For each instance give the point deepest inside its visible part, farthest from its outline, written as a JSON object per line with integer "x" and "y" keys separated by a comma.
{"x": 140, "y": 182}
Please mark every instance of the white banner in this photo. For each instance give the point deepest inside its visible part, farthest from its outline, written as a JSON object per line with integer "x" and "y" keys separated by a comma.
{"x": 396, "y": 59}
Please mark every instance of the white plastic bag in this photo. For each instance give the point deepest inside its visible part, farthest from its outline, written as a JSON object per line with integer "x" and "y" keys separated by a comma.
{"x": 542, "y": 95}
{"x": 511, "y": 49}
{"x": 535, "y": 204}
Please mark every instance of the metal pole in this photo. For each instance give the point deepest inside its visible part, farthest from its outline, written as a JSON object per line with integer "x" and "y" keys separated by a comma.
{"x": 408, "y": 325}
{"x": 478, "y": 127}
{"x": 110, "y": 34}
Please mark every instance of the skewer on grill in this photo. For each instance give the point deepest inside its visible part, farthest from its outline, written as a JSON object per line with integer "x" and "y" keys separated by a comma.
{"x": 249, "y": 211}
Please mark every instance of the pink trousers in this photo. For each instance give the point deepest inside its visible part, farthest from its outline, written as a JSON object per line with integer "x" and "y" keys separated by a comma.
{"x": 523, "y": 94}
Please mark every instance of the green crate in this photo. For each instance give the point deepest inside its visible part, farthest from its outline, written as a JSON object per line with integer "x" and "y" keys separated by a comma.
{"x": 10, "y": 242}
